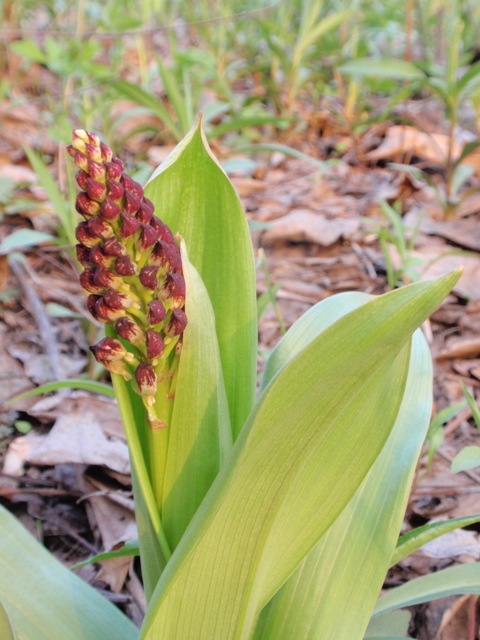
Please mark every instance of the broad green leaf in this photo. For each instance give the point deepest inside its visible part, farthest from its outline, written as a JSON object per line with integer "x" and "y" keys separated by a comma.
{"x": 193, "y": 195}
{"x": 413, "y": 540}
{"x": 200, "y": 436}
{"x": 330, "y": 409}
{"x": 382, "y": 68}
{"x": 350, "y": 562}
{"x": 46, "y": 601}
{"x": 464, "y": 579}
{"x": 467, "y": 458}
{"x": 391, "y": 624}
{"x": 128, "y": 548}
{"x": 23, "y": 238}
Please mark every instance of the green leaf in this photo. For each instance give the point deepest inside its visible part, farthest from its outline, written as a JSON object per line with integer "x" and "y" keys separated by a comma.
{"x": 128, "y": 548}
{"x": 193, "y": 195}
{"x": 46, "y": 601}
{"x": 413, "y": 540}
{"x": 464, "y": 579}
{"x": 23, "y": 238}
{"x": 200, "y": 435}
{"x": 467, "y": 458}
{"x": 393, "y": 623}
{"x": 472, "y": 404}
{"x": 350, "y": 562}
{"x": 381, "y": 68}
{"x": 330, "y": 409}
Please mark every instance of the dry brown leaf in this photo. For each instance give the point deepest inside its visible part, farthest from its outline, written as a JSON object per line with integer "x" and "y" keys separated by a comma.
{"x": 456, "y": 619}
{"x": 303, "y": 225}
{"x": 78, "y": 436}
{"x": 461, "y": 348}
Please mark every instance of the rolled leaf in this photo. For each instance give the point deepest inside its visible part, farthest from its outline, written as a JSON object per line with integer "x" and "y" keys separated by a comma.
{"x": 193, "y": 195}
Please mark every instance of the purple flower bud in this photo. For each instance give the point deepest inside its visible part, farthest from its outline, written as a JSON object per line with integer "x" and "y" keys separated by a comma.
{"x": 81, "y": 179}
{"x": 155, "y": 345}
{"x": 92, "y": 304}
{"x": 117, "y": 300}
{"x": 84, "y": 235}
{"x": 109, "y": 209}
{"x": 148, "y": 236}
{"x": 83, "y": 255}
{"x": 132, "y": 202}
{"x": 93, "y": 152}
{"x": 114, "y": 169}
{"x": 112, "y": 247}
{"x": 131, "y": 186}
{"x": 164, "y": 231}
{"x": 88, "y": 282}
{"x": 146, "y": 379}
{"x": 115, "y": 190}
{"x": 125, "y": 267}
{"x": 96, "y": 190}
{"x": 98, "y": 257}
{"x": 105, "y": 278}
{"x": 116, "y": 160}
{"x": 96, "y": 170}
{"x": 174, "y": 290}
{"x": 148, "y": 277}
{"x": 106, "y": 313}
{"x": 99, "y": 227}
{"x": 79, "y": 158}
{"x": 129, "y": 330}
{"x": 106, "y": 152}
{"x": 144, "y": 214}
{"x": 177, "y": 323}
{"x": 93, "y": 139}
{"x": 129, "y": 225}
{"x": 156, "y": 312}
{"x": 166, "y": 256}
{"x": 113, "y": 356}
{"x": 79, "y": 139}
{"x": 85, "y": 206}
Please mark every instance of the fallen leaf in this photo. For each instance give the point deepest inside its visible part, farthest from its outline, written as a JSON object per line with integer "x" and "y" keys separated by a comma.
{"x": 303, "y": 225}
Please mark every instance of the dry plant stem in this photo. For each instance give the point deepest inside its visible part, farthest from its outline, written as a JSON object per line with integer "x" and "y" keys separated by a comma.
{"x": 37, "y": 310}
{"x": 472, "y": 617}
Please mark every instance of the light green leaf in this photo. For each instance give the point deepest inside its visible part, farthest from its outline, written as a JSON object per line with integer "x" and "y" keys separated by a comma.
{"x": 472, "y": 404}
{"x": 200, "y": 436}
{"x": 350, "y": 562}
{"x": 46, "y": 601}
{"x": 193, "y": 195}
{"x": 330, "y": 409}
{"x": 74, "y": 383}
{"x": 453, "y": 581}
{"x": 393, "y": 623}
{"x": 413, "y": 540}
{"x": 467, "y": 458}
{"x": 23, "y": 238}
{"x": 6, "y": 631}
{"x": 381, "y": 68}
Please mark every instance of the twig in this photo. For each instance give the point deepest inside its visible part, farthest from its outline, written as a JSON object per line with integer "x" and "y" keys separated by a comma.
{"x": 37, "y": 310}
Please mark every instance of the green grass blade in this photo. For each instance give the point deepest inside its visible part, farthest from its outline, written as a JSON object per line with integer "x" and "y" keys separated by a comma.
{"x": 67, "y": 217}
{"x": 382, "y": 68}
{"x": 453, "y": 581}
{"x": 349, "y": 564}
{"x": 200, "y": 435}
{"x": 174, "y": 96}
{"x": 128, "y": 548}
{"x": 330, "y": 409}
{"x": 46, "y": 601}
{"x": 192, "y": 195}
{"x": 413, "y": 540}
{"x": 74, "y": 383}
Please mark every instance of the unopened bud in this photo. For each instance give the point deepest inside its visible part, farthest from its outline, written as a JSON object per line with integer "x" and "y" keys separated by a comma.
{"x": 125, "y": 267}
{"x": 98, "y": 257}
{"x": 174, "y": 290}
{"x": 105, "y": 313}
{"x": 132, "y": 186}
{"x": 84, "y": 235}
{"x": 148, "y": 237}
{"x": 99, "y": 227}
{"x": 83, "y": 254}
{"x": 117, "y": 300}
{"x": 129, "y": 330}
{"x": 129, "y": 225}
{"x": 109, "y": 209}
{"x": 132, "y": 202}
{"x": 154, "y": 343}
{"x": 112, "y": 247}
{"x": 115, "y": 190}
{"x": 106, "y": 152}
{"x": 114, "y": 170}
{"x": 146, "y": 379}
{"x": 105, "y": 278}
{"x": 156, "y": 312}
{"x": 87, "y": 280}
{"x": 164, "y": 231}
{"x": 148, "y": 277}
{"x": 96, "y": 190}
{"x": 177, "y": 323}
{"x": 96, "y": 171}
{"x": 94, "y": 153}
{"x": 82, "y": 178}
{"x": 85, "y": 206}
{"x": 113, "y": 356}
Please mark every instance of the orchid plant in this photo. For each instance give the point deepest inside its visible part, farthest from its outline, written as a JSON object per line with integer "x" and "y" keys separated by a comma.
{"x": 269, "y": 514}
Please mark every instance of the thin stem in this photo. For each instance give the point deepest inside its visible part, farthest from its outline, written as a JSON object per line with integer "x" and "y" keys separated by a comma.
{"x": 158, "y": 438}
